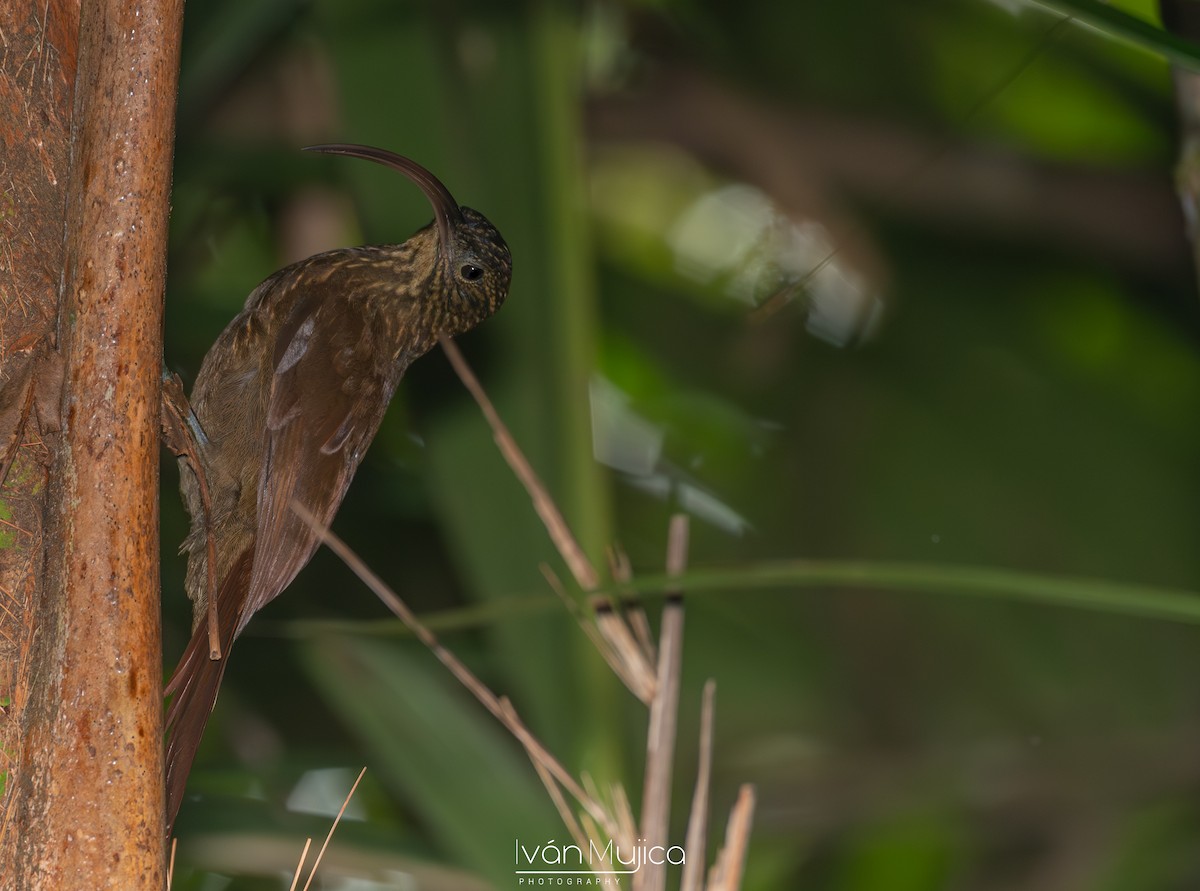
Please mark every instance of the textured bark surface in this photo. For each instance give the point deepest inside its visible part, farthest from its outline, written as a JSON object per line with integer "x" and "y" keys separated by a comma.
{"x": 37, "y": 77}
{"x": 83, "y": 804}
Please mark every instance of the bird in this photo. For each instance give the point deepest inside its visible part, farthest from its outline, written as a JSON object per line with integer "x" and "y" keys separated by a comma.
{"x": 286, "y": 403}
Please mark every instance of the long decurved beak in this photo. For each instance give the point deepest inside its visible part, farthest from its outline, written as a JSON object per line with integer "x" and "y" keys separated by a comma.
{"x": 445, "y": 209}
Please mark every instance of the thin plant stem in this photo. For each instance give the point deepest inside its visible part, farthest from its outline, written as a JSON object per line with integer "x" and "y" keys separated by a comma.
{"x": 564, "y": 540}
{"x": 692, "y": 878}
{"x": 333, "y": 828}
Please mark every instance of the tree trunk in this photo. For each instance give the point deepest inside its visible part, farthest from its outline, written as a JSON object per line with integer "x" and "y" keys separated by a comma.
{"x": 86, "y": 127}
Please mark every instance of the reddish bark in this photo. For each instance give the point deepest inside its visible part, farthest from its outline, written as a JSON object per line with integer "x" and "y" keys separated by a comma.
{"x": 37, "y": 77}
{"x": 83, "y": 805}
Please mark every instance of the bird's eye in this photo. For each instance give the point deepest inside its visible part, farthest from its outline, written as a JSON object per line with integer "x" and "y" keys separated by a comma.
{"x": 471, "y": 273}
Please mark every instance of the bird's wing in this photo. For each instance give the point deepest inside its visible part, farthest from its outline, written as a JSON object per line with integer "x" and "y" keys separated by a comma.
{"x": 194, "y": 685}
{"x": 326, "y": 400}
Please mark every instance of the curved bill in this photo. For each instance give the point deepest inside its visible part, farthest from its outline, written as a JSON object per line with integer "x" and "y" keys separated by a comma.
{"x": 445, "y": 209}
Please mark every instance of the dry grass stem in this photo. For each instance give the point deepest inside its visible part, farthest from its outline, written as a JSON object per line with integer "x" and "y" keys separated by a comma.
{"x": 329, "y": 835}
{"x": 624, "y": 654}
{"x": 622, "y": 573}
{"x": 596, "y": 820}
{"x": 619, "y": 566}
{"x": 636, "y": 616}
{"x": 726, "y": 874}
{"x": 610, "y": 817}
{"x": 593, "y": 831}
{"x": 627, "y": 832}
{"x": 560, "y": 804}
{"x": 664, "y": 716}
{"x": 625, "y": 658}
{"x": 557, "y": 587}
{"x": 624, "y": 639}
{"x": 692, "y": 878}
{"x": 572, "y": 606}
{"x": 619, "y": 824}
{"x": 171, "y": 863}
{"x": 581, "y": 568}
{"x": 628, "y": 664}
{"x": 677, "y": 544}
{"x": 498, "y": 706}
{"x": 300, "y": 865}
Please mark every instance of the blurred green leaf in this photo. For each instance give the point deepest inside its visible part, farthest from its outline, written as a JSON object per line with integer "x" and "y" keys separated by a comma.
{"x": 910, "y": 854}
{"x": 1120, "y": 24}
{"x": 445, "y": 755}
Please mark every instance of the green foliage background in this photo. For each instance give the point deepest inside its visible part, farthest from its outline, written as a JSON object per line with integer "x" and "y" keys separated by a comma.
{"x": 1021, "y": 423}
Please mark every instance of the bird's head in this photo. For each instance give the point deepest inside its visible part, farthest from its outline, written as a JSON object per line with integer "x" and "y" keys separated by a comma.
{"x": 474, "y": 263}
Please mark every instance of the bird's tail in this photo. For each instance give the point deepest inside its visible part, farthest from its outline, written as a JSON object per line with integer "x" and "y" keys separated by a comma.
{"x": 193, "y": 687}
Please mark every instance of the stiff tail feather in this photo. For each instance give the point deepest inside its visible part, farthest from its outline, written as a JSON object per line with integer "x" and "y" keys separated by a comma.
{"x": 194, "y": 685}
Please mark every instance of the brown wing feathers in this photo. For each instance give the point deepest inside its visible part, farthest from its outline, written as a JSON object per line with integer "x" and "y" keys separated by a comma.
{"x": 194, "y": 685}
{"x": 313, "y": 403}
